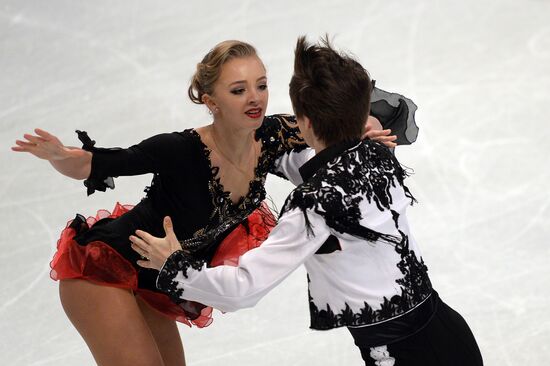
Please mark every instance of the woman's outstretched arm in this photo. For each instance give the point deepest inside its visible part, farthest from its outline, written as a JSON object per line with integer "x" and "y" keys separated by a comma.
{"x": 70, "y": 161}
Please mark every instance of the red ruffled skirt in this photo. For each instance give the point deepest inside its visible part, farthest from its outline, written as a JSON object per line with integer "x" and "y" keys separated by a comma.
{"x": 99, "y": 263}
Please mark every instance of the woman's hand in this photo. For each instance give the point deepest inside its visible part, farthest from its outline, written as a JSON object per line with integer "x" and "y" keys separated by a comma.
{"x": 42, "y": 145}
{"x": 374, "y": 131}
{"x": 155, "y": 250}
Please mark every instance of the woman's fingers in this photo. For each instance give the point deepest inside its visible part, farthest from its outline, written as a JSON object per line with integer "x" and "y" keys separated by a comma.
{"x": 382, "y": 136}
{"x": 44, "y": 134}
{"x": 34, "y": 139}
{"x": 387, "y": 138}
{"x": 380, "y": 132}
{"x": 24, "y": 143}
{"x": 21, "y": 149}
{"x": 374, "y": 134}
{"x": 24, "y": 146}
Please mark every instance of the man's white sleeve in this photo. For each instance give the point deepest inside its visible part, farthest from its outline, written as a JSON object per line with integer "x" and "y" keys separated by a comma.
{"x": 230, "y": 288}
{"x": 288, "y": 164}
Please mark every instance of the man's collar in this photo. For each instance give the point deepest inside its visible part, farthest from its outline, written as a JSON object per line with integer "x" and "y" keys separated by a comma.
{"x": 323, "y": 157}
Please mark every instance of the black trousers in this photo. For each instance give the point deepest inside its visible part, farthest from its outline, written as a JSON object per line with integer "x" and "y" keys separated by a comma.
{"x": 445, "y": 341}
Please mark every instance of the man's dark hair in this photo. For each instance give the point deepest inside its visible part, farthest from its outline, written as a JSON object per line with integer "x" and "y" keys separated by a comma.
{"x": 331, "y": 89}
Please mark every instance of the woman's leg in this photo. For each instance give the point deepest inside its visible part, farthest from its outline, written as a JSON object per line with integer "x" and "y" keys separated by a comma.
{"x": 111, "y": 322}
{"x": 166, "y": 334}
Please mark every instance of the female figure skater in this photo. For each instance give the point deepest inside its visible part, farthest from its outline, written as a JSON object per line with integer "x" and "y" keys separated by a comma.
{"x": 346, "y": 222}
{"x": 210, "y": 180}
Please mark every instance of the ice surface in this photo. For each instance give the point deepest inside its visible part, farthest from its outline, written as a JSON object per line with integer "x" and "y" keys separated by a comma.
{"x": 478, "y": 70}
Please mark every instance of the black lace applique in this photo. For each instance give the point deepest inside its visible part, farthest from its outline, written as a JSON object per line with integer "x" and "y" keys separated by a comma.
{"x": 366, "y": 171}
{"x": 281, "y": 131}
{"x": 95, "y": 183}
{"x": 415, "y": 288}
{"x": 279, "y": 134}
{"x": 226, "y": 214}
{"x": 178, "y": 263}
{"x": 416, "y": 284}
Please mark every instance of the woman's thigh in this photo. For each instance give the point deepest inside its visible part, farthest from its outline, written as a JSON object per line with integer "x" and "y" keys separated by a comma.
{"x": 166, "y": 334}
{"x": 111, "y": 323}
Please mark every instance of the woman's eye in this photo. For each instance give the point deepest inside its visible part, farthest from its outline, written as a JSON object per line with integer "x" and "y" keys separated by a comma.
{"x": 237, "y": 91}
{"x": 263, "y": 87}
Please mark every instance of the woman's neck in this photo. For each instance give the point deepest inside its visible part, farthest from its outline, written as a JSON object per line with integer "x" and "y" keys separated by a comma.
{"x": 235, "y": 144}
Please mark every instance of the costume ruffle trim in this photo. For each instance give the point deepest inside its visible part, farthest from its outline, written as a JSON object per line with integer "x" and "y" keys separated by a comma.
{"x": 99, "y": 263}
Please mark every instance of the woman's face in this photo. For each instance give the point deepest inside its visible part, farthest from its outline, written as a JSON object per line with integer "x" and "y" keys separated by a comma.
{"x": 240, "y": 94}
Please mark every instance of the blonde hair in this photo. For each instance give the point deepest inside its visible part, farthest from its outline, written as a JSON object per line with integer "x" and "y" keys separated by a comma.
{"x": 209, "y": 69}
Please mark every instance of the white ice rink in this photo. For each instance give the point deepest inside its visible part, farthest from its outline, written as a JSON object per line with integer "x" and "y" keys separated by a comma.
{"x": 478, "y": 70}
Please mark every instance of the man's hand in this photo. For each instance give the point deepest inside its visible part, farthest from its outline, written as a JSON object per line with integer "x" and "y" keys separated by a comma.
{"x": 155, "y": 250}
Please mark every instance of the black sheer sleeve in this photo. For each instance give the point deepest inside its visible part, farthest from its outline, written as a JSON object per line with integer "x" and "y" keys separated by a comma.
{"x": 153, "y": 155}
{"x": 396, "y": 112}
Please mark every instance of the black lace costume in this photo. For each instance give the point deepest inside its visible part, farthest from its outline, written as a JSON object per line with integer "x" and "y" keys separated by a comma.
{"x": 185, "y": 187}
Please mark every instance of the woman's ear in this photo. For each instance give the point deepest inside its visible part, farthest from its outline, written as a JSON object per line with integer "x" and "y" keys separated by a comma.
{"x": 210, "y": 103}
